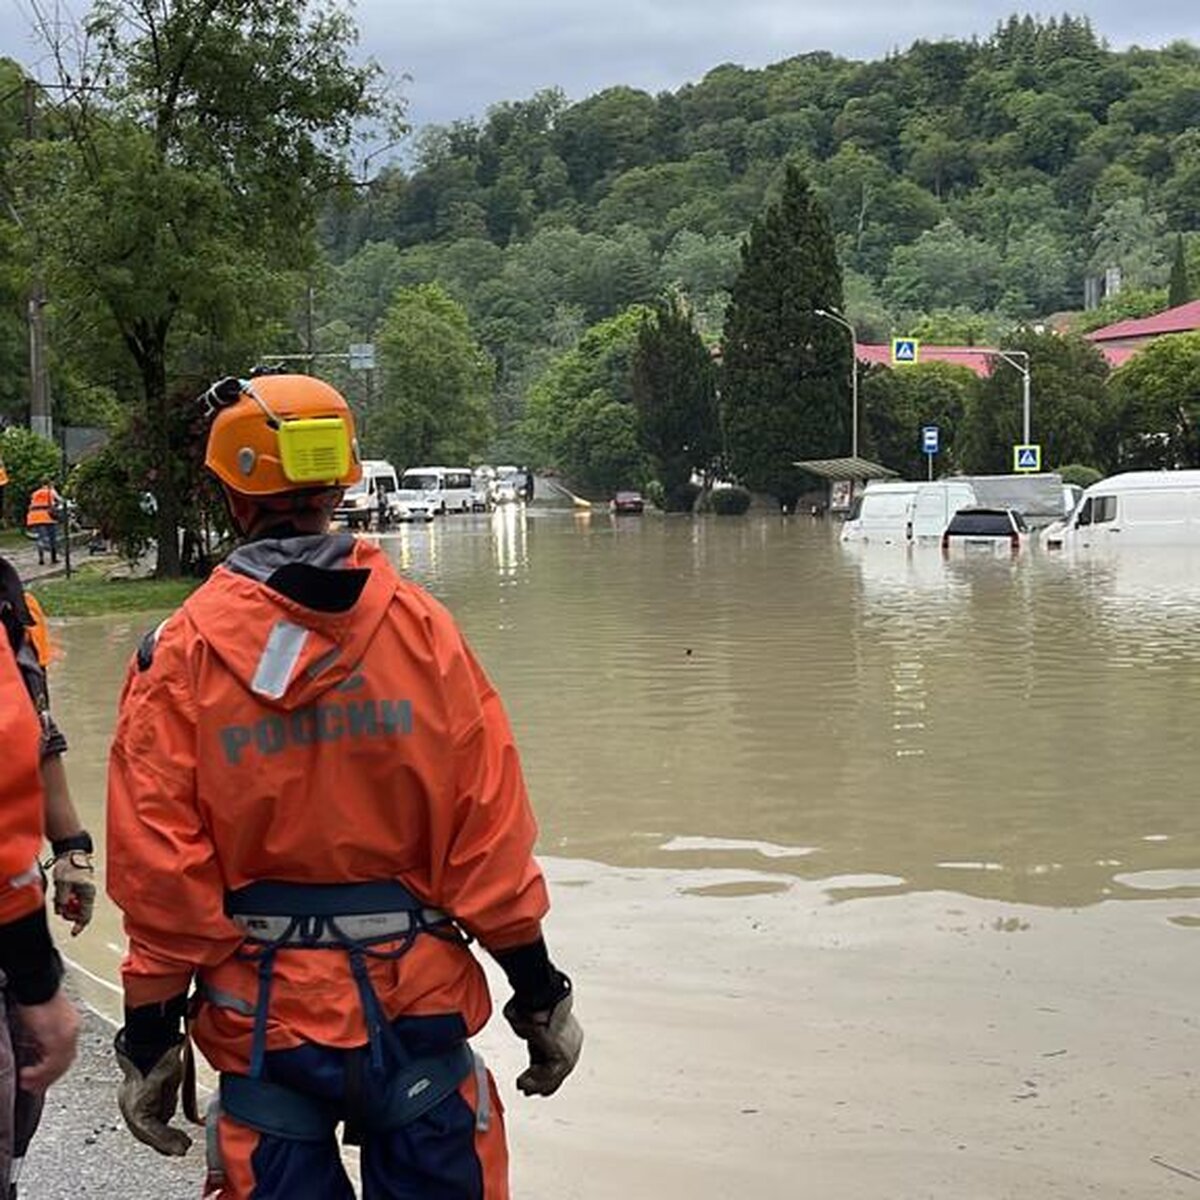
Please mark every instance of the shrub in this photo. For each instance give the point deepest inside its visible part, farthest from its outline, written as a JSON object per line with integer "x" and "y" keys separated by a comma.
{"x": 1080, "y": 475}
{"x": 29, "y": 459}
{"x": 681, "y": 498}
{"x": 729, "y": 502}
{"x": 112, "y": 501}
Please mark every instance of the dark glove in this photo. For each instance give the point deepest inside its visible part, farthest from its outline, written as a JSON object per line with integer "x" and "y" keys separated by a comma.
{"x": 555, "y": 1040}
{"x": 148, "y": 1102}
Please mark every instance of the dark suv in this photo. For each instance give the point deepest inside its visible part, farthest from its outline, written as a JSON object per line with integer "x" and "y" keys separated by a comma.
{"x": 985, "y": 529}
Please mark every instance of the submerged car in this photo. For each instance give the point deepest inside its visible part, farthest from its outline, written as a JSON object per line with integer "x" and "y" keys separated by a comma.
{"x": 628, "y": 502}
{"x": 985, "y": 530}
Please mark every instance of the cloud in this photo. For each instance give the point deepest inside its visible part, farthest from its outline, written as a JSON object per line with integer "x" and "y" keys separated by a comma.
{"x": 464, "y": 55}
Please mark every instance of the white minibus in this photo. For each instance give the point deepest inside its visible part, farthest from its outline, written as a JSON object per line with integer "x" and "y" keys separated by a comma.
{"x": 370, "y": 496}
{"x": 1139, "y": 508}
{"x": 445, "y": 489}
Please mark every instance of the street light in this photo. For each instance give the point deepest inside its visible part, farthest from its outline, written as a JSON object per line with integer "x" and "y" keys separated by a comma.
{"x": 838, "y": 319}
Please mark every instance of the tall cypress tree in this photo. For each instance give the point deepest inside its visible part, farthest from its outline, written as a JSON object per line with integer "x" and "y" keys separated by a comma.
{"x": 675, "y": 393}
{"x": 786, "y": 378}
{"x": 1179, "y": 290}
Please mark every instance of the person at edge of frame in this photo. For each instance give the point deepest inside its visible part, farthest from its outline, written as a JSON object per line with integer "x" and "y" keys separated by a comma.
{"x": 38, "y": 1024}
{"x": 315, "y": 804}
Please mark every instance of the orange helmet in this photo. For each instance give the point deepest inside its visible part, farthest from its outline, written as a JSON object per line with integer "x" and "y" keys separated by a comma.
{"x": 280, "y": 433}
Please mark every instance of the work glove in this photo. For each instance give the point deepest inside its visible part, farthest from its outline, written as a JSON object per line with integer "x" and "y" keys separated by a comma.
{"x": 148, "y": 1102}
{"x": 555, "y": 1040}
{"x": 74, "y": 888}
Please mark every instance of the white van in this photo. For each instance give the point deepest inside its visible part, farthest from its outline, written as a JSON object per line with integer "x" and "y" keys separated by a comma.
{"x": 935, "y": 504}
{"x": 443, "y": 489}
{"x": 370, "y": 496}
{"x": 906, "y": 511}
{"x": 1139, "y": 508}
{"x": 880, "y": 513}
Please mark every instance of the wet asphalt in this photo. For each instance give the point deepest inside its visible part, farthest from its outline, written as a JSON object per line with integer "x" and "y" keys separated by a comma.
{"x": 83, "y": 1147}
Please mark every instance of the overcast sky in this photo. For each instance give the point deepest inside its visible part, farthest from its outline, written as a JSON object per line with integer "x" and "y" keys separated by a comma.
{"x": 463, "y": 55}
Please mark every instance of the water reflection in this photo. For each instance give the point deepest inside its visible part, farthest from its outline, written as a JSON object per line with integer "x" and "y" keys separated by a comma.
{"x": 748, "y": 695}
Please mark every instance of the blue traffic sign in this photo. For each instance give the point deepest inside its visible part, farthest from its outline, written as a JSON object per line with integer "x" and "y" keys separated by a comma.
{"x": 930, "y": 439}
{"x": 1027, "y": 458}
{"x": 905, "y": 351}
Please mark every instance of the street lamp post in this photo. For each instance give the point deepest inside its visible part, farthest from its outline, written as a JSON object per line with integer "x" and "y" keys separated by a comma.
{"x": 1011, "y": 357}
{"x": 838, "y": 319}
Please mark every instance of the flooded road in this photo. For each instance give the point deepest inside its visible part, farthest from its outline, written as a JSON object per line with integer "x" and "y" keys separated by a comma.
{"x": 869, "y": 866}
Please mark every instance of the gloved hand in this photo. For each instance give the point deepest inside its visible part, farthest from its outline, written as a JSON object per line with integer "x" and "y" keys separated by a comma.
{"x": 148, "y": 1102}
{"x": 75, "y": 888}
{"x": 555, "y": 1040}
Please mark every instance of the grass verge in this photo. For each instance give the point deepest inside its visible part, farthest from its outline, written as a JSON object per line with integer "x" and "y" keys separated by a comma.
{"x": 88, "y": 593}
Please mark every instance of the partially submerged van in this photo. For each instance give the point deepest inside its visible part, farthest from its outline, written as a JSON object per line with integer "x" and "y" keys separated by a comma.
{"x": 903, "y": 512}
{"x": 1138, "y": 508}
{"x": 442, "y": 489}
{"x": 370, "y": 497}
{"x": 880, "y": 513}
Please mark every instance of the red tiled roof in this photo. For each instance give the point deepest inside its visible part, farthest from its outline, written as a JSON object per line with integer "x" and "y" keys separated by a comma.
{"x": 974, "y": 358}
{"x": 1183, "y": 319}
{"x": 1117, "y": 356}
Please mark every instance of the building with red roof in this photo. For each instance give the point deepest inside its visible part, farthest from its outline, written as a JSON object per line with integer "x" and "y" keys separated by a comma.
{"x": 1121, "y": 341}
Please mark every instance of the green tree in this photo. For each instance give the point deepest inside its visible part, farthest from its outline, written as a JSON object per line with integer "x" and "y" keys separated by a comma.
{"x": 435, "y": 383}
{"x": 675, "y": 394}
{"x": 28, "y": 459}
{"x": 1158, "y": 401}
{"x": 581, "y": 417}
{"x": 1179, "y": 290}
{"x": 786, "y": 370}
{"x": 898, "y": 403}
{"x": 172, "y": 205}
{"x": 1071, "y": 409}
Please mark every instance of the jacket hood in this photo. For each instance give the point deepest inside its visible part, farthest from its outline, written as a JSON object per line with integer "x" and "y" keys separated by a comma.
{"x": 292, "y": 617}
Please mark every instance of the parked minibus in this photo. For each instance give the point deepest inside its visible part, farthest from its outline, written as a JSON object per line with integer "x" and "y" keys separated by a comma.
{"x": 1138, "y": 508}
{"x": 445, "y": 489}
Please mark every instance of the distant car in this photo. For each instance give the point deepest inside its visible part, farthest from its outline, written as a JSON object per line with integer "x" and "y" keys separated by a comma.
{"x": 504, "y": 491}
{"x": 411, "y": 509}
{"x": 985, "y": 530}
{"x": 628, "y": 502}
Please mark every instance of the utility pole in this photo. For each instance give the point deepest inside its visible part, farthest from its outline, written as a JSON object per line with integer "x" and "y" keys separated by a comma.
{"x": 836, "y": 317}
{"x": 40, "y": 420}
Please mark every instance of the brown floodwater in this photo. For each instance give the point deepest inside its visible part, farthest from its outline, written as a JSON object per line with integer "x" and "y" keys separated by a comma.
{"x": 750, "y": 695}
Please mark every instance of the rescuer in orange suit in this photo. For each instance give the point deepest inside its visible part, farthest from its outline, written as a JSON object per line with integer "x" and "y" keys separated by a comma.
{"x": 42, "y": 518}
{"x": 24, "y": 635}
{"x": 314, "y": 803}
{"x": 38, "y": 1025}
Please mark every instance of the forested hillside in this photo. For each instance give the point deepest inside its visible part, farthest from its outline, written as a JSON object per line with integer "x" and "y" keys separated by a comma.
{"x": 970, "y": 185}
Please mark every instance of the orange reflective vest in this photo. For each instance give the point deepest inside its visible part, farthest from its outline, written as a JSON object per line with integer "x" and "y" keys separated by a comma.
{"x": 267, "y": 741}
{"x": 3, "y": 474}
{"x": 21, "y": 801}
{"x": 41, "y": 507}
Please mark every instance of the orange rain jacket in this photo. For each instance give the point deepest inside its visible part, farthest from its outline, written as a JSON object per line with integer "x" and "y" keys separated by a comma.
{"x": 21, "y": 803}
{"x": 267, "y": 740}
{"x": 41, "y": 507}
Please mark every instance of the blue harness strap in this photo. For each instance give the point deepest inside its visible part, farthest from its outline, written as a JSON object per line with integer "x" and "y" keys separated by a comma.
{"x": 350, "y": 917}
{"x": 295, "y": 1116}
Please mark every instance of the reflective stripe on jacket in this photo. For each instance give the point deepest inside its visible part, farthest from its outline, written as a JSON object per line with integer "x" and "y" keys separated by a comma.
{"x": 266, "y": 740}
{"x": 21, "y": 801}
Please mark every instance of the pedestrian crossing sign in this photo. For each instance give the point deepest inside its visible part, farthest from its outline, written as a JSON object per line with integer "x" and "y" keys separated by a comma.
{"x": 905, "y": 352}
{"x": 1027, "y": 458}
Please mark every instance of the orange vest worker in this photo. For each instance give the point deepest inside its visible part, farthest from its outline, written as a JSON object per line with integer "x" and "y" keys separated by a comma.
{"x": 41, "y": 507}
